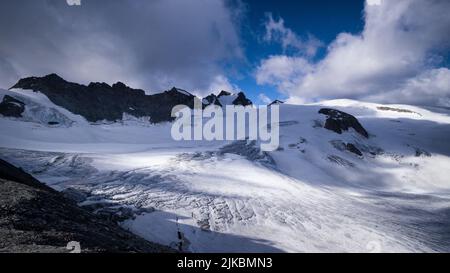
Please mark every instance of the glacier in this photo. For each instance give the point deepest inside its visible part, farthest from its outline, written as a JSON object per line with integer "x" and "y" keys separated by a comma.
{"x": 310, "y": 195}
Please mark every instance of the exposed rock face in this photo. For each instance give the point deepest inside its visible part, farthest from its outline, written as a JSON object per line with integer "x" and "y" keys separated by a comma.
{"x": 211, "y": 100}
{"x": 342, "y": 146}
{"x": 36, "y": 218}
{"x": 99, "y": 101}
{"x": 242, "y": 100}
{"x": 399, "y": 110}
{"x": 340, "y": 161}
{"x": 227, "y": 99}
{"x": 352, "y": 148}
{"x": 339, "y": 121}
{"x": 11, "y": 107}
{"x": 248, "y": 149}
{"x": 223, "y": 93}
{"x": 276, "y": 102}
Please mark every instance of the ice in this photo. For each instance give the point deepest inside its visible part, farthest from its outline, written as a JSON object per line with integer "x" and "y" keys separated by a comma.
{"x": 310, "y": 195}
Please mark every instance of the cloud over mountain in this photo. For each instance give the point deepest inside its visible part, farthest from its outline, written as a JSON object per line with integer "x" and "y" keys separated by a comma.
{"x": 148, "y": 44}
{"x": 397, "y": 58}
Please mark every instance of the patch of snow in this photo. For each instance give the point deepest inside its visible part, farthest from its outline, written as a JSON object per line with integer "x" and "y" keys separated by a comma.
{"x": 227, "y": 100}
{"x": 184, "y": 92}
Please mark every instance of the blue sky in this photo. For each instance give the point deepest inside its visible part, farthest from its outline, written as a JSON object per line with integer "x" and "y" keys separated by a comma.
{"x": 374, "y": 50}
{"x": 301, "y": 51}
{"x": 324, "y": 19}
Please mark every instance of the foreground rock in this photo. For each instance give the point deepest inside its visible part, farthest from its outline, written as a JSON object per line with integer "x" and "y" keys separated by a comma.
{"x": 36, "y": 218}
{"x": 338, "y": 121}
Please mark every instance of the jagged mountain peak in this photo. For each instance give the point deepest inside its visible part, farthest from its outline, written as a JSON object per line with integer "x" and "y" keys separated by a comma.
{"x": 211, "y": 99}
{"x": 53, "y": 76}
{"x": 39, "y": 82}
{"x": 99, "y": 101}
{"x": 99, "y": 85}
{"x": 276, "y": 102}
{"x": 242, "y": 100}
{"x": 224, "y": 93}
{"x": 180, "y": 91}
{"x": 226, "y": 98}
{"x": 119, "y": 85}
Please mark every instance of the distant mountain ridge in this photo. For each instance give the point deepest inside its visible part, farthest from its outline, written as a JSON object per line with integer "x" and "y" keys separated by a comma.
{"x": 102, "y": 102}
{"x": 226, "y": 98}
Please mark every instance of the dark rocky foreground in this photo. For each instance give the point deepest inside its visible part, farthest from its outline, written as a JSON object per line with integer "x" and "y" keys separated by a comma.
{"x": 36, "y": 218}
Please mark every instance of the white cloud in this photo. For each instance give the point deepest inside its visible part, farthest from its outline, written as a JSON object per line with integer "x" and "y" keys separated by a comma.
{"x": 399, "y": 47}
{"x": 73, "y": 2}
{"x": 264, "y": 98}
{"x": 152, "y": 45}
{"x": 282, "y": 71}
{"x": 219, "y": 83}
{"x": 431, "y": 87}
{"x": 373, "y": 2}
{"x": 276, "y": 31}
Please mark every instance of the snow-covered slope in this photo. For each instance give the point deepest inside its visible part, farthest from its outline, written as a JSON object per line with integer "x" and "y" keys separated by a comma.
{"x": 39, "y": 109}
{"x": 310, "y": 195}
{"x": 227, "y": 99}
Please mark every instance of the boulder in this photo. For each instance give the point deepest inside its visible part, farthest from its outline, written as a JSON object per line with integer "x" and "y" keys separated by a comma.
{"x": 338, "y": 121}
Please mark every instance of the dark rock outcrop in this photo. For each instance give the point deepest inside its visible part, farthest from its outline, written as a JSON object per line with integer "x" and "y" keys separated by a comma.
{"x": 248, "y": 149}
{"x": 352, "y": 148}
{"x": 36, "y": 218}
{"x": 211, "y": 100}
{"x": 242, "y": 100}
{"x": 223, "y": 93}
{"x": 342, "y": 146}
{"x": 339, "y": 121}
{"x": 11, "y": 107}
{"x": 100, "y": 101}
{"x": 276, "y": 102}
{"x": 10, "y": 172}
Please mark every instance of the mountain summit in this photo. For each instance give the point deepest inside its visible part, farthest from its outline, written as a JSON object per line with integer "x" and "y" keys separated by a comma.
{"x": 102, "y": 102}
{"x": 226, "y": 98}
